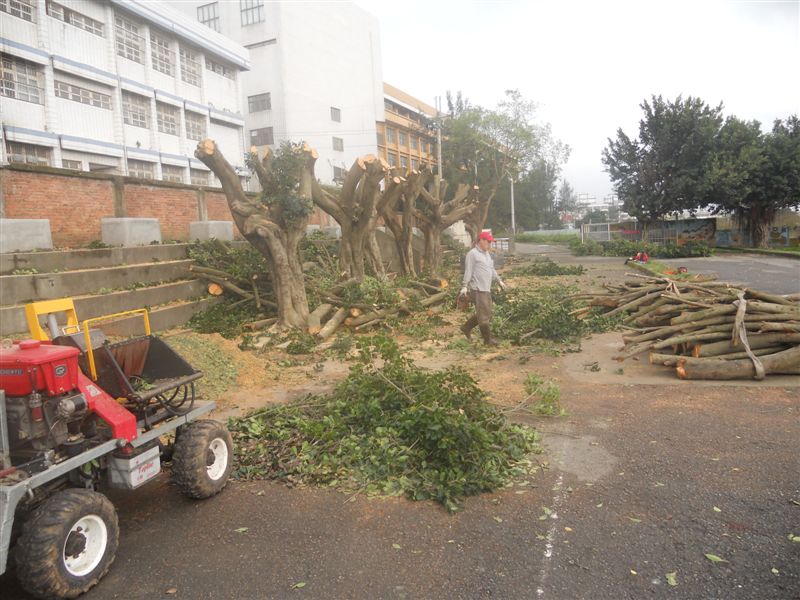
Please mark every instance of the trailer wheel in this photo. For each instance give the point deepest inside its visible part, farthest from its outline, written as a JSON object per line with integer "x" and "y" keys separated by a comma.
{"x": 202, "y": 459}
{"x": 67, "y": 544}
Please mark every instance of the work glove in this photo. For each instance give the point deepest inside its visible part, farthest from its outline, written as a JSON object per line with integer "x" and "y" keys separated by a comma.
{"x": 463, "y": 291}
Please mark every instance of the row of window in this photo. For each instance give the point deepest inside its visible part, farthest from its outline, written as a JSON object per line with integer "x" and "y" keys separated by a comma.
{"x": 266, "y": 137}
{"x": 405, "y": 140}
{"x": 251, "y": 12}
{"x": 128, "y": 41}
{"x": 403, "y": 162}
{"x": 41, "y": 155}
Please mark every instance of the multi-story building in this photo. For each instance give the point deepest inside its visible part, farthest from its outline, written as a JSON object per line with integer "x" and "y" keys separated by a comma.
{"x": 117, "y": 87}
{"x": 316, "y": 74}
{"x": 406, "y": 136}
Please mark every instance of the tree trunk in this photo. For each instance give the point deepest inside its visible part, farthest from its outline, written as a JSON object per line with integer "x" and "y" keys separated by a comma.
{"x": 274, "y": 237}
{"x": 784, "y": 363}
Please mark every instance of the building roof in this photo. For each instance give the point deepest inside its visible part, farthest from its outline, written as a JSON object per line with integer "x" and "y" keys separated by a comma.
{"x": 169, "y": 19}
{"x": 407, "y": 100}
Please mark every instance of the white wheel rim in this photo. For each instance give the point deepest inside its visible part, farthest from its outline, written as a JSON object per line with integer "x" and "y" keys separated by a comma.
{"x": 219, "y": 458}
{"x": 94, "y": 538}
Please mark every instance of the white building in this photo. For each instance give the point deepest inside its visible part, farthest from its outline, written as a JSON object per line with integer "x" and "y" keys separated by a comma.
{"x": 316, "y": 74}
{"x": 117, "y": 87}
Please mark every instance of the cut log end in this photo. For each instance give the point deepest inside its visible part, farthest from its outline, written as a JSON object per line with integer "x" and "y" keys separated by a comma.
{"x": 207, "y": 146}
{"x": 215, "y": 289}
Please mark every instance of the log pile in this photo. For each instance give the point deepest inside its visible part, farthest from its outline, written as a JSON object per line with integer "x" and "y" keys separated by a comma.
{"x": 705, "y": 330}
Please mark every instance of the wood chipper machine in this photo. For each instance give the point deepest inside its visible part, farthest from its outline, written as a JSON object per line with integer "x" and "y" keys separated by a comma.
{"x": 80, "y": 414}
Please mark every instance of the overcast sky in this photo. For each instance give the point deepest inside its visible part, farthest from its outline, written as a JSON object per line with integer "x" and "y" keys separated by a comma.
{"x": 589, "y": 64}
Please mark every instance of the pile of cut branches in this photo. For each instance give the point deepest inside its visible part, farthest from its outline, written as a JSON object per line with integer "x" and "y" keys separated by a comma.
{"x": 392, "y": 429}
{"x": 523, "y": 315}
{"x": 706, "y": 330}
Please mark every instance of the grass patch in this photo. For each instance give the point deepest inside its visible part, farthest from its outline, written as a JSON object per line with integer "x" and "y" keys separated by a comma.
{"x": 546, "y": 268}
{"x": 393, "y": 429}
{"x": 545, "y": 238}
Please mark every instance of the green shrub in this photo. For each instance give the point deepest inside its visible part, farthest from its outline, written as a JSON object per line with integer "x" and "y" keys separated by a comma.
{"x": 627, "y": 248}
{"x": 393, "y": 429}
{"x": 544, "y": 238}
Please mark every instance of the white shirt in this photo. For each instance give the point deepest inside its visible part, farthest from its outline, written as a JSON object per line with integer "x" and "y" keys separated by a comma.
{"x": 479, "y": 270}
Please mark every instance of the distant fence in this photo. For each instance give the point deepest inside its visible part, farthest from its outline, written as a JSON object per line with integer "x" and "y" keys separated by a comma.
{"x": 713, "y": 231}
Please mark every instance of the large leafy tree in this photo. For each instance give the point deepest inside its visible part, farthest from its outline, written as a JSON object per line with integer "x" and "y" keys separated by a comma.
{"x": 485, "y": 147}
{"x": 753, "y": 175}
{"x": 665, "y": 170}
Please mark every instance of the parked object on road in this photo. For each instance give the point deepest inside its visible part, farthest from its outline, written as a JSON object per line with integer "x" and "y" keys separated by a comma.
{"x": 706, "y": 330}
{"x": 79, "y": 414}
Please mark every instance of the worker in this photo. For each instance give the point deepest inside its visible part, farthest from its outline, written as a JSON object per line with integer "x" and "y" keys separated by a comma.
{"x": 478, "y": 276}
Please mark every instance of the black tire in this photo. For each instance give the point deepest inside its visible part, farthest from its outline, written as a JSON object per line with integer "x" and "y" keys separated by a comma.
{"x": 202, "y": 459}
{"x": 67, "y": 544}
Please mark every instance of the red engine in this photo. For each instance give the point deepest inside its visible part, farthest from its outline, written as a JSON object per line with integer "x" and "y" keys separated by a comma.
{"x": 32, "y": 366}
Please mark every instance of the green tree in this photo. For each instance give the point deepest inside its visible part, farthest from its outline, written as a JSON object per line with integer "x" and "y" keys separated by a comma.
{"x": 484, "y": 147}
{"x": 754, "y": 175}
{"x": 666, "y": 169}
{"x": 567, "y": 198}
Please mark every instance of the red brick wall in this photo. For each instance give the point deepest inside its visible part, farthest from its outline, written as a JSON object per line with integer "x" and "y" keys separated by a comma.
{"x": 217, "y": 209}
{"x": 174, "y": 208}
{"x": 74, "y": 205}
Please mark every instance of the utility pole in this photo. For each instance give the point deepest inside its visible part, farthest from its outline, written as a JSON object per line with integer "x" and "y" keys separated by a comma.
{"x": 513, "y": 221}
{"x": 439, "y": 133}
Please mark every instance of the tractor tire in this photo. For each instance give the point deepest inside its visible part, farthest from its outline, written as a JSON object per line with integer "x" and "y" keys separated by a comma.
{"x": 67, "y": 544}
{"x": 203, "y": 458}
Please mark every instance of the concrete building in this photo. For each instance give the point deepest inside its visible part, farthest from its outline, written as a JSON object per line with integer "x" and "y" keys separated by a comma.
{"x": 117, "y": 87}
{"x": 316, "y": 74}
{"x": 405, "y": 137}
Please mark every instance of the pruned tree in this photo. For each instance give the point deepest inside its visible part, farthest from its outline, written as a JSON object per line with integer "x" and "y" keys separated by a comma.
{"x": 354, "y": 208}
{"x": 396, "y": 207}
{"x": 274, "y": 222}
{"x": 434, "y": 213}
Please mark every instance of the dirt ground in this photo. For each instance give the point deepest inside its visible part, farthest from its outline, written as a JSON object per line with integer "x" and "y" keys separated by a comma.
{"x": 642, "y": 479}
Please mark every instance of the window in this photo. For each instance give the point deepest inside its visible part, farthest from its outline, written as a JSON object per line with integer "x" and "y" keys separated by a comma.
{"x": 24, "y": 9}
{"x": 413, "y": 142}
{"x": 338, "y": 174}
{"x": 172, "y": 173}
{"x": 163, "y": 58}
{"x": 129, "y": 43}
{"x": 259, "y": 102}
{"x": 389, "y": 135}
{"x": 135, "y": 110}
{"x": 392, "y": 159}
{"x": 62, "y": 13}
{"x": 76, "y": 93}
{"x": 208, "y": 15}
{"x": 220, "y": 69}
{"x": 195, "y": 126}
{"x": 168, "y": 118}
{"x": 20, "y": 79}
{"x": 190, "y": 67}
{"x": 404, "y": 161}
{"x": 338, "y": 144}
{"x": 75, "y": 165}
{"x": 403, "y": 139}
{"x": 336, "y": 114}
{"x": 28, "y": 154}
{"x": 198, "y": 177}
{"x": 261, "y": 137}
{"x": 140, "y": 168}
{"x": 252, "y": 11}
{"x": 414, "y": 164}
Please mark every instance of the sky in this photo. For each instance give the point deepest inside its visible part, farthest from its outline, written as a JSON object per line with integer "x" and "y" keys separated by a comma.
{"x": 589, "y": 64}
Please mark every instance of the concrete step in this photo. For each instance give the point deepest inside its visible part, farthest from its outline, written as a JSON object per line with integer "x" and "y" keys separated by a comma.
{"x": 71, "y": 260}
{"x": 13, "y": 323}
{"x": 161, "y": 317}
{"x": 20, "y": 289}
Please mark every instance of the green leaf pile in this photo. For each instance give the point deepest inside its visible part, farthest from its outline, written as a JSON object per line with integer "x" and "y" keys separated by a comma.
{"x": 545, "y": 311}
{"x": 390, "y": 428}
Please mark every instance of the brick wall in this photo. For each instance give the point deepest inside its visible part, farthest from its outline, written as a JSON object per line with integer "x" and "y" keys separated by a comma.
{"x": 75, "y": 202}
{"x": 74, "y": 205}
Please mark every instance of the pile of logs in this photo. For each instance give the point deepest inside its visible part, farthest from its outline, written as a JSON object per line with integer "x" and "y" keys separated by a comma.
{"x": 705, "y": 330}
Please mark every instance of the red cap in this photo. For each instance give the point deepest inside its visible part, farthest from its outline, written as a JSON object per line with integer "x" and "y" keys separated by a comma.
{"x": 485, "y": 235}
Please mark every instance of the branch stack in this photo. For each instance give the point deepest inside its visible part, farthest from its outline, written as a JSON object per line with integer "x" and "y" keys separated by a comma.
{"x": 705, "y": 330}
